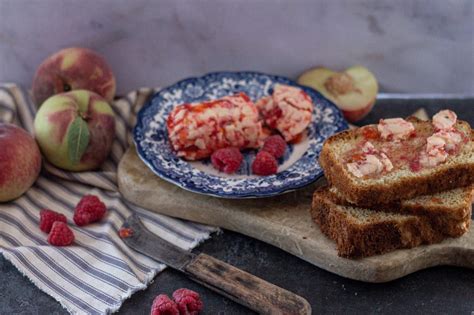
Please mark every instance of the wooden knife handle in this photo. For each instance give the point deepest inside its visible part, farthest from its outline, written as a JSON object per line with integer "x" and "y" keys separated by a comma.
{"x": 244, "y": 288}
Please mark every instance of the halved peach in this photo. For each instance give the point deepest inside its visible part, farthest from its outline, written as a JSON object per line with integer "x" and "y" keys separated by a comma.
{"x": 354, "y": 91}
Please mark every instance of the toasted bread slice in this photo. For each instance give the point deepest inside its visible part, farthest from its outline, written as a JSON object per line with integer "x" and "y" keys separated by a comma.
{"x": 444, "y": 210}
{"x": 399, "y": 183}
{"x": 454, "y": 204}
{"x": 360, "y": 232}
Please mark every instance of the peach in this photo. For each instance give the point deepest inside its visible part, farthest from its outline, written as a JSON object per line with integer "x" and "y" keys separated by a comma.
{"x": 73, "y": 69}
{"x": 20, "y": 161}
{"x": 75, "y": 130}
{"x": 354, "y": 91}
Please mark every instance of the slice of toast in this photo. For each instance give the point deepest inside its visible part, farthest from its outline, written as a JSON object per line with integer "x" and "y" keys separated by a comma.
{"x": 360, "y": 232}
{"x": 444, "y": 210}
{"x": 401, "y": 182}
{"x": 453, "y": 204}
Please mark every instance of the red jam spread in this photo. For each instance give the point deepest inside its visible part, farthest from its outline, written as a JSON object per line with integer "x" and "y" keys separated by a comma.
{"x": 197, "y": 130}
{"x": 289, "y": 110}
{"x": 396, "y": 144}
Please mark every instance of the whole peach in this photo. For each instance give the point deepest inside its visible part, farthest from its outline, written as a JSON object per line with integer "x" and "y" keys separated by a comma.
{"x": 75, "y": 130}
{"x": 20, "y": 161}
{"x": 73, "y": 69}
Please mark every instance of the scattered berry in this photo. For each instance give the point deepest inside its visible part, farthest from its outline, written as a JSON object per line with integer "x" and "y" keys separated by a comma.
{"x": 275, "y": 145}
{"x": 189, "y": 302}
{"x": 82, "y": 218}
{"x": 48, "y": 217}
{"x": 163, "y": 305}
{"x": 227, "y": 160}
{"x": 89, "y": 209}
{"x": 264, "y": 164}
{"x": 125, "y": 232}
{"x": 61, "y": 234}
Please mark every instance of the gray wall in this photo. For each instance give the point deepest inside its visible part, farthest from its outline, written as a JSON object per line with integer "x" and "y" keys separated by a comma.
{"x": 412, "y": 46}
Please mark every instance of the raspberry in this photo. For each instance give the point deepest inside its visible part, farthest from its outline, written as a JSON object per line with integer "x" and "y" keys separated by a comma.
{"x": 48, "y": 217}
{"x": 275, "y": 145}
{"x": 89, "y": 209}
{"x": 189, "y": 302}
{"x": 60, "y": 235}
{"x": 82, "y": 218}
{"x": 264, "y": 164}
{"x": 163, "y": 305}
{"x": 227, "y": 160}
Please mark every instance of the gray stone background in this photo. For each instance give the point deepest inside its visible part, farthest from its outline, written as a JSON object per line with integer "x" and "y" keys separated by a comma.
{"x": 411, "y": 46}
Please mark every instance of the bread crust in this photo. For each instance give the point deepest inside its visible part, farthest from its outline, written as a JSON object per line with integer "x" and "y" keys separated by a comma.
{"x": 443, "y": 215}
{"x": 354, "y": 240}
{"x": 371, "y": 194}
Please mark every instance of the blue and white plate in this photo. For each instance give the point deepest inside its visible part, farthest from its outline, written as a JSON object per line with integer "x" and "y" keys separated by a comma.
{"x": 298, "y": 168}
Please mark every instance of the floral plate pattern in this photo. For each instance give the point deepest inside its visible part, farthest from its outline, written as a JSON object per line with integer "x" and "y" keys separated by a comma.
{"x": 299, "y": 167}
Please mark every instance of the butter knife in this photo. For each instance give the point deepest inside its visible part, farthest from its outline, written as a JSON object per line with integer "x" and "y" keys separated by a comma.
{"x": 229, "y": 281}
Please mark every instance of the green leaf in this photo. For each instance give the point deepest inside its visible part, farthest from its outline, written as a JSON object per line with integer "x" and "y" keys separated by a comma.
{"x": 78, "y": 139}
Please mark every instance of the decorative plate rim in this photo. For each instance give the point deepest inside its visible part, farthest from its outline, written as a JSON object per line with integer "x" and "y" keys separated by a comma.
{"x": 231, "y": 195}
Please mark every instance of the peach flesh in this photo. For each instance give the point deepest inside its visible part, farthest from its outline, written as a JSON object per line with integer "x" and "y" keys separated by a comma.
{"x": 354, "y": 90}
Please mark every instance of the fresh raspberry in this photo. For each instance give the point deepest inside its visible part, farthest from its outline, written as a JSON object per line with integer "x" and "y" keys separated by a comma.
{"x": 275, "y": 145}
{"x": 264, "y": 164}
{"x": 60, "y": 235}
{"x": 163, "y": 305}
{"x": 227, "y": 160}
{"x": 82, "y": 218}
{"x": 48, "y": 217}
{"x": 189, "y": 302}
{"x": 89, "y": 209}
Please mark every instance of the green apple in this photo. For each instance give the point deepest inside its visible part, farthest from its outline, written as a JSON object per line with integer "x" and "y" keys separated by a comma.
{"x": 75, "y": 130}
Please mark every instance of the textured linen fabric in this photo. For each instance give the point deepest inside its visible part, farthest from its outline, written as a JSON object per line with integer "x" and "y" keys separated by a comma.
{"x": 98, "y": 272}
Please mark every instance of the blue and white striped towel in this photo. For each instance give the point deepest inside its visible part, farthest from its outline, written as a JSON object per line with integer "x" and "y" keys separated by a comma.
{"x": 99, "y": 272}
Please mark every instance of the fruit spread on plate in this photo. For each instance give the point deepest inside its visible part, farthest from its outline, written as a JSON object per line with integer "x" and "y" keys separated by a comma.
{"x": 288, "y": 110}
{"x": 396, "y": 144}
{"x": 197, "y": 131}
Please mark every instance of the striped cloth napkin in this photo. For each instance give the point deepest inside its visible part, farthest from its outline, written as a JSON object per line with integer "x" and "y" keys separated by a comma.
{"x": 97, "y": 273}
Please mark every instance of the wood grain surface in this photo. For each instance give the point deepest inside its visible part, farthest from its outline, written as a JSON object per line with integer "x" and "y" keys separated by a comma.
{"x": 238, "y": 285}
{"x": 283, "y": 221}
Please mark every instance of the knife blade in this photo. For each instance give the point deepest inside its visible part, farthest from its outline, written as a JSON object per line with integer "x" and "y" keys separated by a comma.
{"x": 238, "y": 285}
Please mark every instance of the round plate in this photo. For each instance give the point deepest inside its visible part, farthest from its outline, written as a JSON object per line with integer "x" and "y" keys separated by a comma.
{"x": 298, "y": 168}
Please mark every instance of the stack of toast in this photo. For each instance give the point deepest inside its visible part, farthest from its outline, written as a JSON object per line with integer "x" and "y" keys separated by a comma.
{"x": 396, "y": 185}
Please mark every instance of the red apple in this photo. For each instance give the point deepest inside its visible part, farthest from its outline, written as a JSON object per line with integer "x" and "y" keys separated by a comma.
{"x": 20, "y": 161}
{"x": 73, "y": 69}
{"x": 75, "y": 130}
{"x": 354, "y": 91}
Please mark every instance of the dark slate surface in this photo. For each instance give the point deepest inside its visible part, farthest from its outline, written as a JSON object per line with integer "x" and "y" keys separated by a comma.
{"x": 439, "y": 290}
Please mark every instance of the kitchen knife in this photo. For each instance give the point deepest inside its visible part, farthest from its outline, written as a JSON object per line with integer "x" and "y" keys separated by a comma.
{"x": 237, "y": 285}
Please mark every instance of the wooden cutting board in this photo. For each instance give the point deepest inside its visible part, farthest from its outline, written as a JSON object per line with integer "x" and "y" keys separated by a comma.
{"x": 283, "y": 221}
